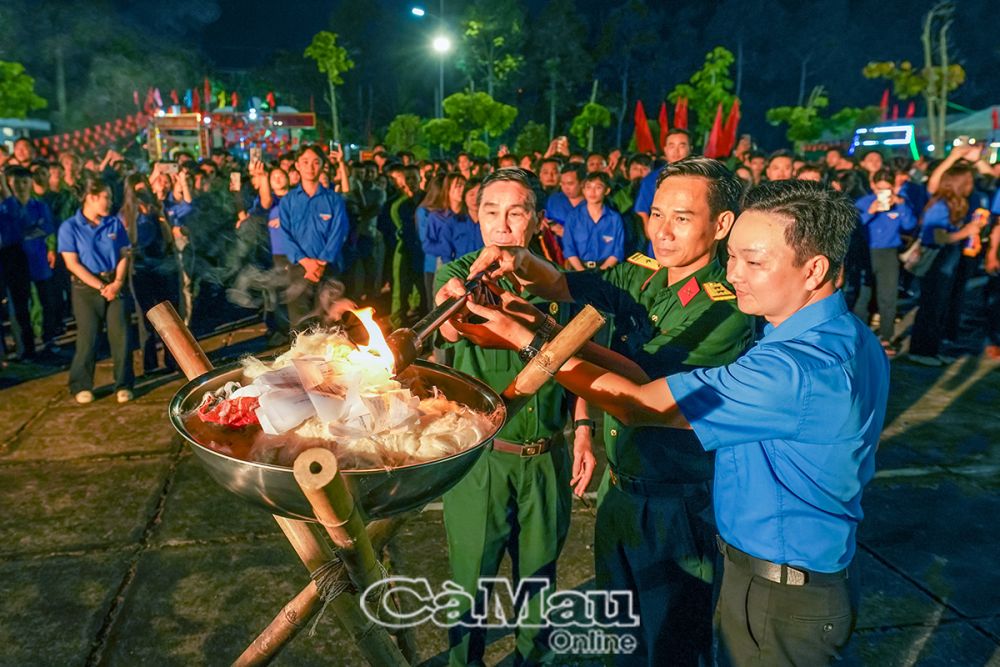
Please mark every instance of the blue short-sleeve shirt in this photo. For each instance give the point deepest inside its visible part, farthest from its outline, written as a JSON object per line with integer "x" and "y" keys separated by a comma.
{"x": 98, "y": 247}
{"x": 647, "y": 188}
{"x": 314, "y": 227}
{"x": 794, "y": 423}
{"x": 594, "y": 241}
{"x": 937, "y": 216}
{"x": 558, "y": 207}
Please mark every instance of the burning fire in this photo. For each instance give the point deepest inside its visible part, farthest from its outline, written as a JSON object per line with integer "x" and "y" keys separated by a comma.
{"x": 377, "y": 347}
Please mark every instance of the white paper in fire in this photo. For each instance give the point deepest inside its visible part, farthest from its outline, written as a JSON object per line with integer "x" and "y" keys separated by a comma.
{"x": 326, "y": 392}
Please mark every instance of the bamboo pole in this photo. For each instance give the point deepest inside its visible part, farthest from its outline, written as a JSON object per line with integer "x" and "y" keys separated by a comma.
{"x": 373, "y": 640}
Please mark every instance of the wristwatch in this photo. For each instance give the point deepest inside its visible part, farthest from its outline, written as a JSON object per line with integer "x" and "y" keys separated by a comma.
{"x": 590, "y": 423}
{"x": 542, "y": 336}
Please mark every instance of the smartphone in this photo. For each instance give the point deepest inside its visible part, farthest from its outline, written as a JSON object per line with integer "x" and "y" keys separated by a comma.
{"x": 256, "y": 154}
{"x": 884, "y": 199}
{"x": 234, "y": 181}
{"x": 168, "y": 168}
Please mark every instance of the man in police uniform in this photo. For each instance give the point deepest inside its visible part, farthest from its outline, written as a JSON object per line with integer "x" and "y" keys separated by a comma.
{"x": 517, "y": 497}
{"x": 655, "y": 535}
{"x": 794, "y": 423}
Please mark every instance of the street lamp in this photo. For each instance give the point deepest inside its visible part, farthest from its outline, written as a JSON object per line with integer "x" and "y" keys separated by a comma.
{"x": 441, "y": 45}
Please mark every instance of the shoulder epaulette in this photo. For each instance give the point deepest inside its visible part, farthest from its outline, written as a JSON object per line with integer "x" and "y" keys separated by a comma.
{"x": 718, "y": 292}
{"x": 645, "y": 262}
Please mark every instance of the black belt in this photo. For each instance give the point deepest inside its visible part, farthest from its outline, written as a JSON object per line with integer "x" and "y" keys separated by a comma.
{"x": 590, "y": 265}
{"x": 105, "y": 277}
{"x": 528, "y": 449}
{"x": 776, "y": 572}
{"x": 652, "y": 488}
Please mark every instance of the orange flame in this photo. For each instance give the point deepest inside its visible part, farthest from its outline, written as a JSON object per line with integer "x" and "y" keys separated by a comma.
{"x": 377, "y": 345}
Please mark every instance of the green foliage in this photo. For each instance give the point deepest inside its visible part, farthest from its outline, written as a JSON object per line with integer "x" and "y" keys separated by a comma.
{"x": 479, "y": 113}
{"x": 492, "y": 34}
{"x": 804, "y": 122}
{"x": 849, "y": 118}
{"x": 331, "y": 59}
{"x": 405, "y": 133}
{"x": 532, "y": 137}
{"x": 443, "y": 132}
{"x": 909, "y": 82}
{"x": 477, "y": 148}
{"x": 592, "y": 116}
{"x": 708, "y": 87}
{"x": 17, "y": 92}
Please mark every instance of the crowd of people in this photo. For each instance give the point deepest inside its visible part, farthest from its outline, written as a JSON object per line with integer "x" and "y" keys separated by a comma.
{"x": 689, "y": 257}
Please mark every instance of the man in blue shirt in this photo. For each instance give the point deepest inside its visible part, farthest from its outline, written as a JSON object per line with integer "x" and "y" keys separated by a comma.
{"x": 594, "y": 234}
{"x": 15, "y": 271}
{"x": 884, "y": 214}
{"x": 677, "y": 148}
{"x": 560, "y": 205}
{"x": 794, "y": 422}
{"x": 313, "y": 227}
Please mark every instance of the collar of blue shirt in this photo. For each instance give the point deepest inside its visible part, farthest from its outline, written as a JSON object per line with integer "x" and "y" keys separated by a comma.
{"x": 806, "y": 318}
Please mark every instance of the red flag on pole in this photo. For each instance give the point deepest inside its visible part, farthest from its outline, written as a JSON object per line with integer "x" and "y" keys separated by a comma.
{"x": 681, "y": 114}
{"x": 884, "y": 104}
{"x": 272, "y": 103}
{"x": 234, "y": 98}
{"x": 911, "y": 109}
{"x": 643, "y": 137}
{"x": 715, "y": 140}
{"x": 663, "y": 124}
{"x": 195, "y": 100}
{"x": 895, "y": 111}
{"x": 157, "y": 97}
{"x": 207, "y": 95}
{"x": 732, "y": 124}
{"x": 996, "y": 119}
{"x": 174, "y": 98}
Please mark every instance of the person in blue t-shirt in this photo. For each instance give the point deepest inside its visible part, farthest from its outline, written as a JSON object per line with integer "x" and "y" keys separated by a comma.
{"x": 312, "y": 227}
{"x": 794, "y": 423}
{"x": 94, "y": 245}
{"x": 560, "y": 205}
{"x": 884, "y": 214}
{"x": 677, "y": 147}
{"x": 594, "y": 235}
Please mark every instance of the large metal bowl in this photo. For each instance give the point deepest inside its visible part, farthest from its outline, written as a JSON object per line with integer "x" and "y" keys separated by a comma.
{"x": 380, "y": 492}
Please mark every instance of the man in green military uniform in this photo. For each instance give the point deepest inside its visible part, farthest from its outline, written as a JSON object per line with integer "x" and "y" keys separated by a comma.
{"x": 655, "y": 532}
{"x": 517, "y": 497}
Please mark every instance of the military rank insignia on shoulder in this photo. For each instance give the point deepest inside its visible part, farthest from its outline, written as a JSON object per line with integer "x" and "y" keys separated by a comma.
{"x": 718, "y": 292}
{"x": 645, "y": 262}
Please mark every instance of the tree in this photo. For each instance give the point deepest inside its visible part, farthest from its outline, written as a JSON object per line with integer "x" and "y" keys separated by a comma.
{"x": 17, "y": 92}
{"x": 935, "y": 80}
{"x": 406, "y": 133}
{"x": 707, "y": 88}
{"x": 593, "y": 115}
{"x": 478, "y": 116}
{"x": 557, "y": 41}
{"x": 492, "y": 33}
{"x": 333, "y": 61}
{"x": 532, "y": 137}
{"x": 443, "y": 133}
{"x": 806, "y": 122}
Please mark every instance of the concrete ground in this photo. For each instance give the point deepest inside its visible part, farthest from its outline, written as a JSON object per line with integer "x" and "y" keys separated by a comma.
{"x": 116, "y": 548}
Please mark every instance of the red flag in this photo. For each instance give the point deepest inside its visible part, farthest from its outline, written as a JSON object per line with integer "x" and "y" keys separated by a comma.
{"x": 996, "y": 119}
{"x": 157, "y": 97}
{"x": 643, "y": 137}
{"x": 663, "y": 124}
{"x": 195, "y": 100}
{"x": 895, "y": 111}
{"x": 271, "y": 102}
{"x": 713, "y": 148}
{"x": 911, "y": 109}
{"x": 208, "y": 95}
{"x": 884, "y": 104}
{"x": 732, "y": 124}
{"x": 681, "y": 114}
{"x": 135, "y": 98}
{"x": 234, "y": 98}
{"x": 174, "y": 98}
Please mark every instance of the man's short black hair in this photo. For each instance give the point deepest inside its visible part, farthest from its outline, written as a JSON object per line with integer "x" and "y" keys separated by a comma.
{"x": 17, "y": 171}
{"x": 757, "y": 154}
{"x": 678, "y": 130}
{"x": 724, "y": 187}
{"x": 641, "y": 158}
{"x": 821, "y": 220}
{"x": 517, "y": 175}
{"x": 886, "y": 175}
{"x": 553, "y": 159}
{"x": 870, "y": 151}
{"x": 578, "y": 168}
{"x": 598, "y": 176}
{"x": 313, "y": 148}
{"x": 783, "y": 152}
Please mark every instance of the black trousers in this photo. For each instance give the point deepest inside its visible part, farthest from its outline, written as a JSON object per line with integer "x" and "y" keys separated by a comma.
{"x": 936, "y": 288}
{"x": 92, "y": 311}
{"x": 48, "y": 299}
{"x": 151, "y": 283}
{"x": 885, "y": 271}
{"x": 15, "y": 277}
{"x": 767, "y": 624}
{"x": 304, "y": 295}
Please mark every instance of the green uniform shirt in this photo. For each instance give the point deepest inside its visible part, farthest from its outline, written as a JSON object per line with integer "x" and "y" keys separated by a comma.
{"x": 545, "y": 413}
{"x": 665, "y": 329}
